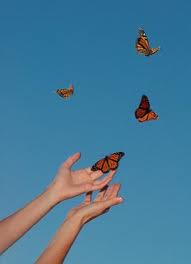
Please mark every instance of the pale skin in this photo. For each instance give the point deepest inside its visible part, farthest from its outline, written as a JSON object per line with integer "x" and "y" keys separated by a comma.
{"x": 62, "y": 241}
{"x": 66, "y": 184}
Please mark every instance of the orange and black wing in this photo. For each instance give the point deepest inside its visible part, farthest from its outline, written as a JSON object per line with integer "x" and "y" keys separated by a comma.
{"x": 142, "y": 43}
{"x": 148, "y": 117}
{"x": 108, "y": 163}
{"x": 101, "y": 165}
{"x": 143, "y": 112}
{"x": 154, "y": 50}
{"x": 113, "y": 160}
{"x": 144, "y": 107}
{"x": 65, "y": 93}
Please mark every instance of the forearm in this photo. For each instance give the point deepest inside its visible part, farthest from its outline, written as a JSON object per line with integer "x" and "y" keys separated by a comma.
{"x": 61, "y": 242}
{"x": 15, "y": 226}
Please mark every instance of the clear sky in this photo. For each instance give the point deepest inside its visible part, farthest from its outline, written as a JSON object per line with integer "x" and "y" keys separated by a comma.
{"x": 46, "y": 45}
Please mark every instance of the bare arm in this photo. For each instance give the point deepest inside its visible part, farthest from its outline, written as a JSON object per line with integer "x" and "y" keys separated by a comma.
{"x": 66, "y": 184}
{"x": 17, "y": 224}
{"x": 61, "y": 243}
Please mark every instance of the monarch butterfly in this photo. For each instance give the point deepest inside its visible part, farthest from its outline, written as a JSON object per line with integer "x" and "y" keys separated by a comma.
{"x": 142, "y": 44}
{"x": 65, "y": 93}
{"x": 143, "y": 112}
{"x": 108, "y": 163}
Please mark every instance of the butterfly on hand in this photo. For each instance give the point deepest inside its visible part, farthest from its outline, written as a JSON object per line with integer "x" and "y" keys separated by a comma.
{"x": 143, "y": 112}
{"x": 108, "y": 163}
{"x": 65, "y": 93}
{"x": 142, "y": 44}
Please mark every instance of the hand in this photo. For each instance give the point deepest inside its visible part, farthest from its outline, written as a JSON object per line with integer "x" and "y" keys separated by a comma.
{"x": 89, "y": 209}
{"x": 68, "y": 183}
{"x": 61, "y": 243}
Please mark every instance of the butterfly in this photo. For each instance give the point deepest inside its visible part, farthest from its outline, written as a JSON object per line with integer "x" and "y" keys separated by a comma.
{"x": 65, "y": 93}
{"x": 142, "y": 44}
{"x": 143, "y": 112}
{"x": 108, "y": 163}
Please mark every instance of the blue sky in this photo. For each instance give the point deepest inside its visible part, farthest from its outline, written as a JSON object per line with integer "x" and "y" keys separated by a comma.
{"x": 46, "y": 45}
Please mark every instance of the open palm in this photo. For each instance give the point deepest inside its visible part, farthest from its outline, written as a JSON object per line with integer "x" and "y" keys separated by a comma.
{"x": 89, "y": 209}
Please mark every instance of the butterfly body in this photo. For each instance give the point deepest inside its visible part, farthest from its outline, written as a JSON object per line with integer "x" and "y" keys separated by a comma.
{"x": 144, "y": 112}
{"x": 65, "y": 93}
{"x": 142, "y": 44}
{"x": 110, "y": 162}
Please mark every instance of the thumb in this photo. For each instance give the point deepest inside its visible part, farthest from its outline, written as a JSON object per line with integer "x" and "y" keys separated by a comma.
{"x": 71, "y": 160}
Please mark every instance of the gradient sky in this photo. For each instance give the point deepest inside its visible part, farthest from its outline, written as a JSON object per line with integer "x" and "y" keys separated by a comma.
{"x": 46, "y": 45}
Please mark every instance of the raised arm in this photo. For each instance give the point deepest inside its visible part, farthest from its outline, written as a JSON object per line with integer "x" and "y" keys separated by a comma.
{"x": 65, "y": 185}
{"x": 77, "y": 217}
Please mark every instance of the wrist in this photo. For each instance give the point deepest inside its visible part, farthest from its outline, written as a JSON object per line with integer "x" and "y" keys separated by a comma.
{"x": 82, "y": 219}
{"x": 52, "y": 196}
{"x": 76, "y": 220}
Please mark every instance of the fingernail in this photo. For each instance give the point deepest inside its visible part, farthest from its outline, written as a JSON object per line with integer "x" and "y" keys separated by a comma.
{"x": 120, "y": 199}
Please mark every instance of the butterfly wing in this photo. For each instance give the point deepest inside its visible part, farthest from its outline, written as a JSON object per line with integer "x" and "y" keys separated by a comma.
{"x": 143, "y": 112}
{"x": 154, "y": 50}
{"x": 149, "y": 116}
{"x": 144, "y": 107}
{"x": 101, "y": 165}
{"x": 65, "y": 93}
{"x": 108, "y": 163}
{"x": 112, "y": 164}
{"x": 116, "y": 156}
{"x": 71, "y": 89}
{"x": 143, "y": 46}
{"x": 142, "y": 43}
{"x": 113, "y": 160}
{"x": 106, "y": 167}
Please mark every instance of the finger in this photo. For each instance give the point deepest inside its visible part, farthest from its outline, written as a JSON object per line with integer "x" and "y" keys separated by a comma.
{"x": 109, "y": 191}
{"x": 110, "y": 175}
{"x": 104, "y": 206}
{"x": 71, "y": 160}
{"x": 94, "y": 186}
{"x": 100, "y": 184}
{"x": 88, "y": 198}
{"x": 101, "y": 194}
{"x": 96, "y": 174}
{"x": 116, "y": 190}
{"x": 88, "y": 170}
{"x": 114, "y": 201}
{"x": 113, "y": 192}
